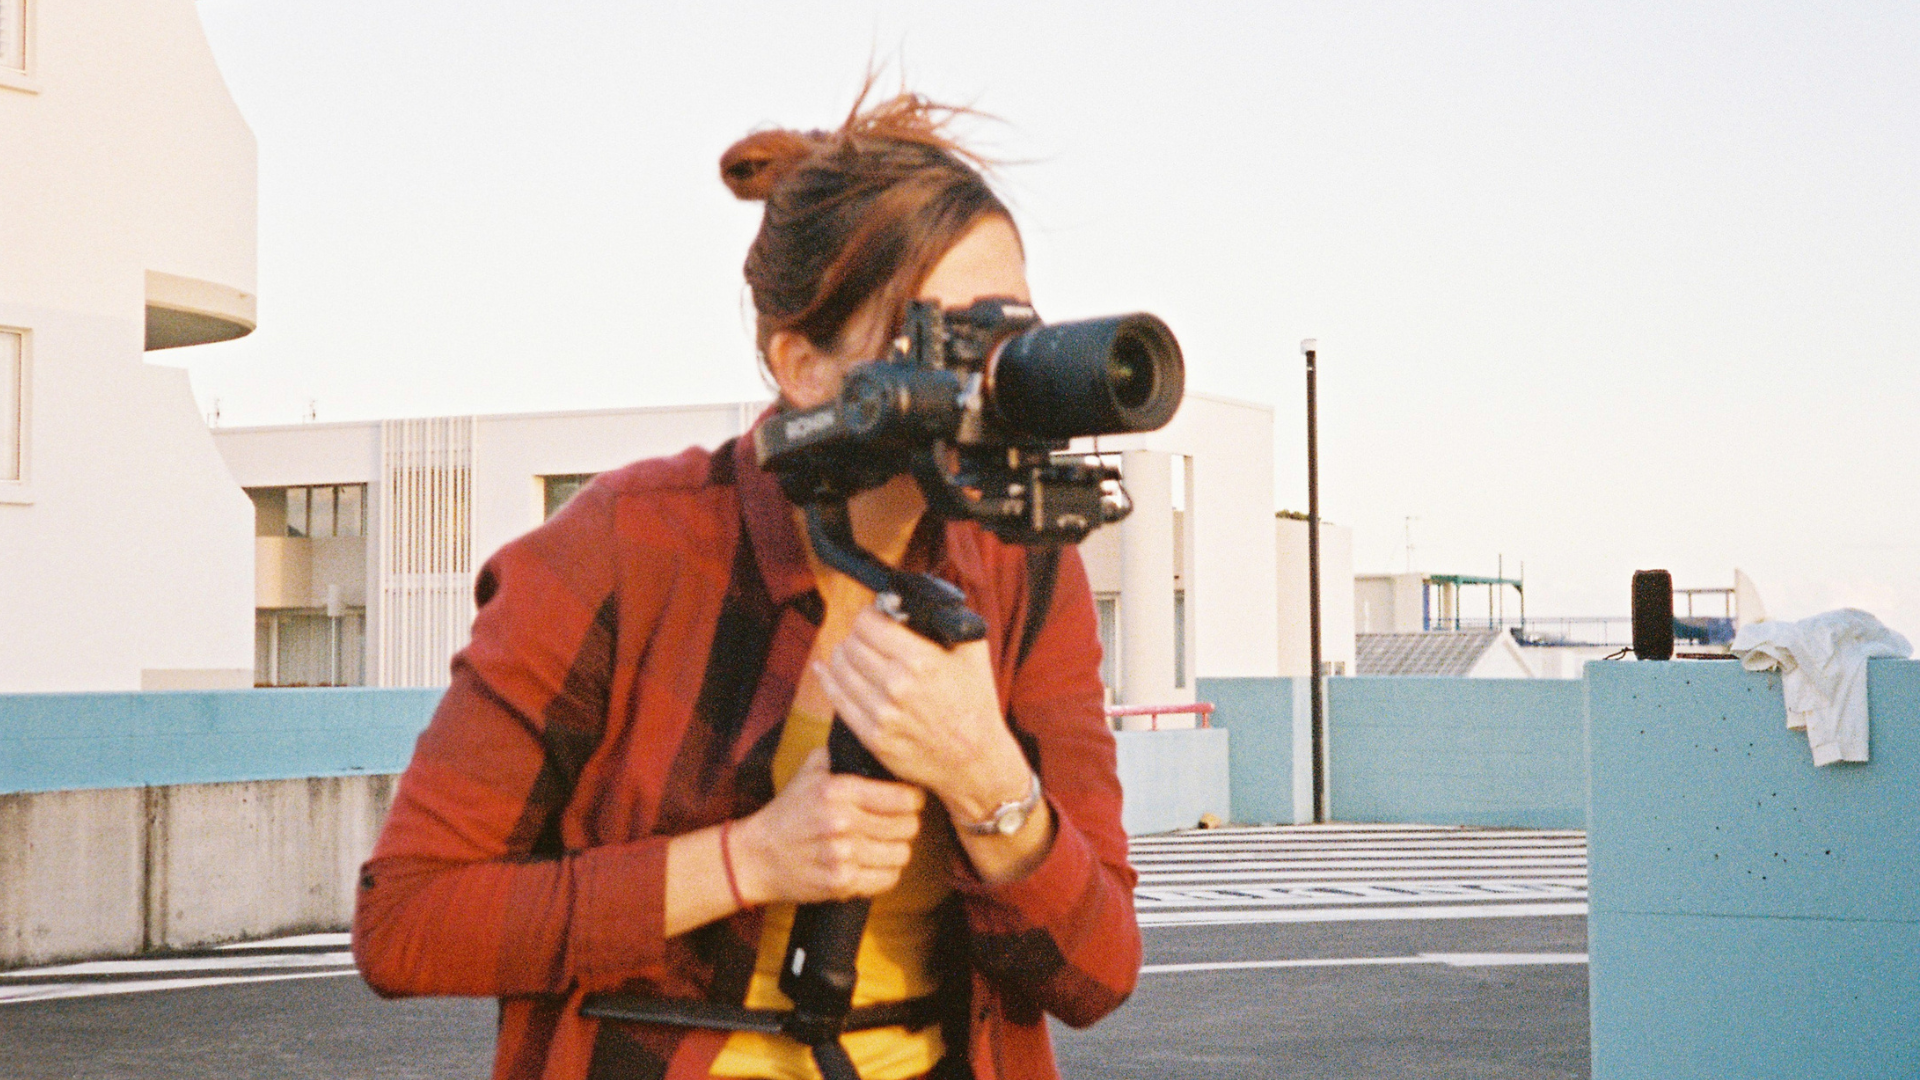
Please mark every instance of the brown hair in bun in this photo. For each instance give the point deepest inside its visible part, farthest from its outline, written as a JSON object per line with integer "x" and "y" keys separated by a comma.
{"x": 752, "y": 166}
{"x": 855, "y": 217}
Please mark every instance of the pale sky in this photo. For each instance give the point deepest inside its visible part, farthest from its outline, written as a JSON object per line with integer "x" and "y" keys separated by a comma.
{"x": 1597, "y": 287}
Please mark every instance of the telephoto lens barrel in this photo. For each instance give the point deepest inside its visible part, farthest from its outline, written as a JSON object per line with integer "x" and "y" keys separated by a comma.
{"x": 1094, "y": 377}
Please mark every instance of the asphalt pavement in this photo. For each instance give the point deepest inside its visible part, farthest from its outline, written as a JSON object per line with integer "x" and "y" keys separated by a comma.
{"x": 1331, "y": 952}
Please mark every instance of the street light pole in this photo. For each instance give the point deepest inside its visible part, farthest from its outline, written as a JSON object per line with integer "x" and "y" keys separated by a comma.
{"x": 1316, "y": 668}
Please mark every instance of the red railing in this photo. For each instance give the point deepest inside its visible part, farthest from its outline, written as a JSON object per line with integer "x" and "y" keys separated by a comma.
{"x": 1203, "y": 708}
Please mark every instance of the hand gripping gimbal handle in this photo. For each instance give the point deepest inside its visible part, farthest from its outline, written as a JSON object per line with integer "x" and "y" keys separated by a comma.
{"x": 819, "y": 970}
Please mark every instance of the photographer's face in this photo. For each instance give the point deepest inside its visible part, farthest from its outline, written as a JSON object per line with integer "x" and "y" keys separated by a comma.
{"x": 987, "y": 261}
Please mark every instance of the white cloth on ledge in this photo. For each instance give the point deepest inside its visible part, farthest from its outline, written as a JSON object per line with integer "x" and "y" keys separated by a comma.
{"x": 1823, "y": 674}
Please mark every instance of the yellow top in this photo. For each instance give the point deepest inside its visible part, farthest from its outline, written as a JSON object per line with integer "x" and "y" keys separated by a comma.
{"x": 894, "y": 960}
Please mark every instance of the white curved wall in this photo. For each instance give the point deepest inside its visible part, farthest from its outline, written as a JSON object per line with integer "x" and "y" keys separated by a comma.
{"x": 128, "y": 548}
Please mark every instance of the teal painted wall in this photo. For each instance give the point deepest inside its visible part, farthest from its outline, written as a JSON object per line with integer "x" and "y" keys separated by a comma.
{"x": 56, "y": 742}
{"x": 1262, "y": 715}
{"x": 1752, "y": 916}
{"x": 1500, "y": 752}
{"x": 1452, "y": 751}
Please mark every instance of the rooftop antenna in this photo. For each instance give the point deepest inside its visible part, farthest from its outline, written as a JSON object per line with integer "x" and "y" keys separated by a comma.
{"x": 1409, "y": 523}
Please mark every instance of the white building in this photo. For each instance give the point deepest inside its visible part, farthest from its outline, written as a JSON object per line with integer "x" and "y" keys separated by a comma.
{"x": 1336, "y": 585}
{"x": 369, "y": 534}
{"x": 126, "y": 225}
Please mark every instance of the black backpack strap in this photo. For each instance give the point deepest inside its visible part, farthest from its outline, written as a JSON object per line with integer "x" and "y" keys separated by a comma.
{"x": 1043, "y": 567}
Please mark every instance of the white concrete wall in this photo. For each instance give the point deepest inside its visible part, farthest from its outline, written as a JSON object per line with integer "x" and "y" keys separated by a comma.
{"x": 511, "y": 453}
{"x": 1336, "y": 587}
{"x": 1146, "y": 587}
{"x": 118, "y": 871}
{"x": 337, "y": 453}
{"x": 127, "y": 547}
{"x": 1388, "y": 604}
{"x": 1232, "y": 598}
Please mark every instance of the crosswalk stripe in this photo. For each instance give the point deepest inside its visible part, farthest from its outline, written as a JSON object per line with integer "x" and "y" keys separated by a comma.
{"x": 1293, "y": 874}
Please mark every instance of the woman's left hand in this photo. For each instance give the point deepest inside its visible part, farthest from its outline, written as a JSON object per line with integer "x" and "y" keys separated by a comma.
{"x": 932, "y": 716}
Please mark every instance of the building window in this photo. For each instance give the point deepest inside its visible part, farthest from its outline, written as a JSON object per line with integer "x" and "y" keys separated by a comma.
{"x": 312, "y": 511}
{"x": 13, "y": 405}
{"x": 556, "y": 490}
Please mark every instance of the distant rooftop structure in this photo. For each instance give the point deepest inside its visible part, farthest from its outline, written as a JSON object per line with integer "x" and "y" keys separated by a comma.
{"x": 1481, "y": 653}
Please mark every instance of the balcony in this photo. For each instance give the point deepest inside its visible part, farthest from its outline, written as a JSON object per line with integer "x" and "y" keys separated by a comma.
{"x": 187, "y": 311}
{"x": 302, "y": 572}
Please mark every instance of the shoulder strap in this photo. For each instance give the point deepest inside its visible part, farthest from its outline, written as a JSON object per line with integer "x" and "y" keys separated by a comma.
{"x": 1043, "y": 567}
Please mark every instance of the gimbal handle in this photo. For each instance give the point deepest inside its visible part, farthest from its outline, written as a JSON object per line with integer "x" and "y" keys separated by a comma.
{"x": 818, "y": 972}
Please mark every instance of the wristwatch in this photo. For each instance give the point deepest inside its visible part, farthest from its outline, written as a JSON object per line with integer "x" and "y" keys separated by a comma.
{"x": 1008, "y": 817}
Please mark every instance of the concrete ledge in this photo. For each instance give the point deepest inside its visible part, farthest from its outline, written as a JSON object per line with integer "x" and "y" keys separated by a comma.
{"x": 119, "y": 871}
{"x": 72, "y": 875}
{"x": 1169, "y": 778}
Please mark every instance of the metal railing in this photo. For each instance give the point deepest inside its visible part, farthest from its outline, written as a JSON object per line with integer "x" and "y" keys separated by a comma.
{"x": 1552, "y": 630}
{"x": 1204, "y": 709}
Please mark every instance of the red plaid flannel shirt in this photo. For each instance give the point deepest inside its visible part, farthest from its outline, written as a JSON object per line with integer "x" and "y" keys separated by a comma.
{"x": 630, "y": 668}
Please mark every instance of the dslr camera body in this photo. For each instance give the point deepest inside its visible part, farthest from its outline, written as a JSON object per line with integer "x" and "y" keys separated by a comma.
{"x": 976, "y": 402}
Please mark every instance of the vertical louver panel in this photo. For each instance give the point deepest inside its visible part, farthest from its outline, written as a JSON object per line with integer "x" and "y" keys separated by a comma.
{"x": 425, "y": 591}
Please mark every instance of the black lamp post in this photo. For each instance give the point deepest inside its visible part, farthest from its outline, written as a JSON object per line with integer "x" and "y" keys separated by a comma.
{"x": 1321, "y": 805}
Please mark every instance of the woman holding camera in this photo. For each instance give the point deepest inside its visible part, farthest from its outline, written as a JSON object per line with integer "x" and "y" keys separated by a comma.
{"x": 626, "y": 789}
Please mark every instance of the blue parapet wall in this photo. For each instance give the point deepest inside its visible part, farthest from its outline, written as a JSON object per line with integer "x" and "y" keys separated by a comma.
{"x": 1752, "y": 915}
{"x": 1454, "y": 751}
{"x": 56, "y": 742}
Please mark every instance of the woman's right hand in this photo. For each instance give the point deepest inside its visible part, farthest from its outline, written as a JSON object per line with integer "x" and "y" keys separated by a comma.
{"x": 826, "y": 837}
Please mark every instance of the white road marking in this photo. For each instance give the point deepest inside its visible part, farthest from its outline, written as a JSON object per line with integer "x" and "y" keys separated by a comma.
{"x": 1450, "y": 959}
{"x": 161, "y": 965}
{"x": 1373, "y": 914}
{"x": 1229, "y": 877}
{"x": 298, "y": 941}
{"x": 14, "y": 995}
{"x": 1154, "y": 899}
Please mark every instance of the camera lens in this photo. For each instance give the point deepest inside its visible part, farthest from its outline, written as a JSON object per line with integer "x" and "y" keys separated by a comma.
{"x": 1130, "y": 372}
{"x": 1094, "y": 377}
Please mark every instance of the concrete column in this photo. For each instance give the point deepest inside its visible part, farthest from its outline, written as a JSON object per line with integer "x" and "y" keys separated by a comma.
{"x": 1146, "y": 585}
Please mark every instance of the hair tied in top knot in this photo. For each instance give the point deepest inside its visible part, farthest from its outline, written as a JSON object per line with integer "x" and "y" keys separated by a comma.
{"x": 753, "y": 166}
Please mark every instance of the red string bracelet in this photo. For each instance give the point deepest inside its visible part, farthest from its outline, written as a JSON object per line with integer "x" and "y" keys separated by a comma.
{"x": 726, "y": 860}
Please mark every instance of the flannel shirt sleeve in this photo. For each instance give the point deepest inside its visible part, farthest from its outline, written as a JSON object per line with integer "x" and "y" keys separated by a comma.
{"x": 469, "y": 890}
{"x": 1064, "y": 937}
